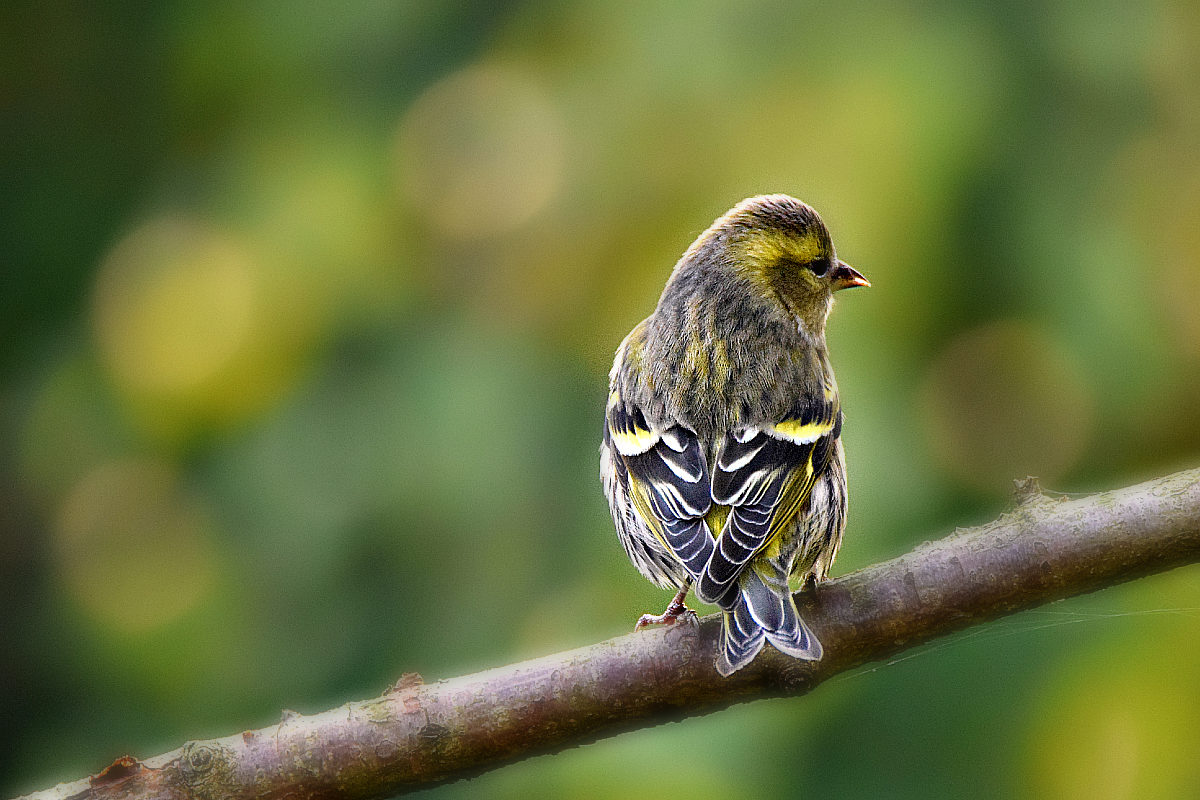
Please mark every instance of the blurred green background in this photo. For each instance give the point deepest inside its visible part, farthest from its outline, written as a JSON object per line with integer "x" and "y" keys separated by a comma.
{"x": 307, "y": 312}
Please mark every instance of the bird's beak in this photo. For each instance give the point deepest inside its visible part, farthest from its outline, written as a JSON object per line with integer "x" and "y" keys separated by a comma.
{"x": 845, "y": 276}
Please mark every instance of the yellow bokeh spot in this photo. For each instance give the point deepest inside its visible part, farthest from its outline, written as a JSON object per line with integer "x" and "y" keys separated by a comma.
{"x": 480, "y": 152}
{"x": 1002, "y": 401}
{"x": 199, "y": 327}
{"x": 1116, "y": 720}
{"x": 133, "y": 547}
{"x": 173, "y": 304}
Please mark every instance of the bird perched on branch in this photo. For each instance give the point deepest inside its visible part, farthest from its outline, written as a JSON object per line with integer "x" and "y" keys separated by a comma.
{"x": 721, "y": 457}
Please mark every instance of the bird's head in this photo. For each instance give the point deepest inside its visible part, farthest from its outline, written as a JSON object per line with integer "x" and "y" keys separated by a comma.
{"x": 784, "y": 249}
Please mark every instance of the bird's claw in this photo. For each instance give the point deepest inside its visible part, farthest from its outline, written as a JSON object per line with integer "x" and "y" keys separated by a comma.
{"x": 672, "y": 616}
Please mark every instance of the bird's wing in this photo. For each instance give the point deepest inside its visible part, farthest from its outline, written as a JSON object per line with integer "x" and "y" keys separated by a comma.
{"x": 668, "y": 482}
{"x": 765, "y": 474}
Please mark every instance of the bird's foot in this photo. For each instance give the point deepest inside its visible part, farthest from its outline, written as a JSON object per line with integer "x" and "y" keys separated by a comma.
{"x": 676, "y": 612}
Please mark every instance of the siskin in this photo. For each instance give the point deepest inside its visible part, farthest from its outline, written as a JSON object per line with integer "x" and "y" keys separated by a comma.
{"x": 722, "y": 459}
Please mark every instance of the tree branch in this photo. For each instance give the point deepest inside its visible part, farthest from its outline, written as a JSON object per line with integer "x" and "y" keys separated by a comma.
{"x": 416, "y": 735}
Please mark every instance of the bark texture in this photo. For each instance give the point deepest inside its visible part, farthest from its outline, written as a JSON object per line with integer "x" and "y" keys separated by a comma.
{"x": 418, "y": 734}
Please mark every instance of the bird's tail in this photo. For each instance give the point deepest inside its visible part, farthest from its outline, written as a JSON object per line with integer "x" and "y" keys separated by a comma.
{"x": 759, "y": 611}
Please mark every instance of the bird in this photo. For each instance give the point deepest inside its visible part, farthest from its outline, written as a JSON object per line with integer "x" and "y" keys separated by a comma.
{"x": 721, "y": 457}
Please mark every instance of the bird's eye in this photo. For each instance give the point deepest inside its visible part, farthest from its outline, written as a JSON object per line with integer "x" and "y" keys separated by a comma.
{"x": 819, "y": 267}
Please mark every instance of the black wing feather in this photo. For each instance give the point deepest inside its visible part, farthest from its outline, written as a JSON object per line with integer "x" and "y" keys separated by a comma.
{"x": 753, "y": 489}
{"x": 762, "y": 476}
{"x": 671, "y": 479}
